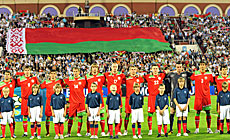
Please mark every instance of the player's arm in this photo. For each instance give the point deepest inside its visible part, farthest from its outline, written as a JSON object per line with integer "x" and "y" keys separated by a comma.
{"x": 187, "y": 101}
{"x": 65, "y": 108}
{"x": 43, "y": 85}
{"x": 218, "y": 103}
{"x": 51, "y": 107}
{"x": 156, "y": 104}
{"x": 87, "y": 107}
{"x": 130, "y": 101}
{"x": 107, "y": 103}
{"x": 99, "y": 110}
{"x": 192, "y": 76}
{"x": 41, "y": 111}
{"x": 13, "y": 112}
{"x": 29, "y": 115}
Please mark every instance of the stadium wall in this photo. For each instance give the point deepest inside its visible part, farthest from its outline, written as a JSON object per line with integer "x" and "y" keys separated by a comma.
{"x": 174, "y": 7}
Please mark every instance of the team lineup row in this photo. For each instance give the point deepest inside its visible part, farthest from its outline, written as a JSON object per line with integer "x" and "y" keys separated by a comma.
{"x": 94, "y": 81}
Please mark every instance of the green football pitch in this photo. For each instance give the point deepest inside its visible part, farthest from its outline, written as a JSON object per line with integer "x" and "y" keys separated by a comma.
{"x": 191, "y": 126}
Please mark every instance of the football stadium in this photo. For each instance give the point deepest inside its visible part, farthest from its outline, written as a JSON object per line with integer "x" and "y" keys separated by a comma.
{"x": 114, "y": 69}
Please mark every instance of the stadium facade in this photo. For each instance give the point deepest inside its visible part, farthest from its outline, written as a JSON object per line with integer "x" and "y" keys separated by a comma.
{"x": 118, "y": 7}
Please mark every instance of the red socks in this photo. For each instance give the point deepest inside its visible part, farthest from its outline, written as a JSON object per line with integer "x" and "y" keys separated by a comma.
{"x": 150, "y": 122}
{"x": 12, "y": 129}
{"x": 102, "y": 123}
{"x": 39, "y": 129}
{"x": 185, "y": 125}
{"x": 3, "y": 131}
{"x": 133, "y": 128}
{"x": 25, "y": 124}
{"x": 88, "y": 126}
{"x": 32, "y": 130}
{"x": 96, "y": 129}
{"x": 119, "y": 125}
{"x": 179, "y": 126}
{"x": 197, "y": 121}
{"x": 111, "y": 129}
{"x": 159, "y": 129}
{"x": 228, "y": 121}
{"x": 139, "y": 129}
{"x": 47, "y": 126}
{"x": 61, "y": 128}
{"x": 92, "y": 129}
{"x": 218, "y": 122}
{"x": 117, "y": 128}
{"x": 70, "y": 124}
{"x": 79, "y": 126}
{"x": 56, "y": 128}
{"x": 165, "y": 128}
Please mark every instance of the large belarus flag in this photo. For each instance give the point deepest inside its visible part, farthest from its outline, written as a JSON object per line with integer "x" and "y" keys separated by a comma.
{"x": 85, "y": 40}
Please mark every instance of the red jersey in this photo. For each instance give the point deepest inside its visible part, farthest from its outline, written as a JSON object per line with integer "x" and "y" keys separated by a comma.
{"x": 219, "y": 80}
{"x": 202, "y": 83}
{"x": 99, "y": 79}
{"x": 11, "y": 85}
{"x": 49, "y": 85}
{"x": 153, "y": 83}
{"x": 26, "y": 84}
{"x": 76, "y": 86}
{"x": 115, "y": 79}
{"x": 129, "y": 84}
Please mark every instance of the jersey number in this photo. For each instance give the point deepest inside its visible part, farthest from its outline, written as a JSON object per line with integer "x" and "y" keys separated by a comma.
{"x": 156, "y": 82}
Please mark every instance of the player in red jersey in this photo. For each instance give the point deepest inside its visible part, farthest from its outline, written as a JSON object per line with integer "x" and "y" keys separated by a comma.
{"x": 202, "y": 80}
{"x": 115, "y": 78}
{"x": 26, "y": 82}
{"x": 130, "y": 80}
{"x": 10, "y": 83}
{"x": 95, "y": 76}
{"x": 223, "y": 77}
{"x": 154, "y": 80}
{"x": 77, "y": 99}
{"x": 49, "y": 85}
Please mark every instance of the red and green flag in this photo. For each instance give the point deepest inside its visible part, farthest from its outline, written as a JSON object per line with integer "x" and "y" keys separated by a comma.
{"x": 85, "y": 40}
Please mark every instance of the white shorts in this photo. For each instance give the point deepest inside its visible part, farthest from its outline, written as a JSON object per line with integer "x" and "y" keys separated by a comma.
{"x": 137, "y": 115}
{"x": 224, "y": 112}
{"x": 114, "y": 116}
{"x": 59, "y": 116}
{"x": 164, "y": 118}
{"x": 181, "y": 113}
{"x": 35, "y": 112}
{"x": 6, "y": 118}
{"x": 93, "y": 114}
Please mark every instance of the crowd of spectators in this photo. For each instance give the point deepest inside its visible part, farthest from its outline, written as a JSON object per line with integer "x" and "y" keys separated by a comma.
{"x": 211, "y": 33}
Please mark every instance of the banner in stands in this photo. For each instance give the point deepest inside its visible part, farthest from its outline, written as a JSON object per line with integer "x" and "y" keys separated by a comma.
{"x": 185, "y": 48}
{"x": 17, "y": 98}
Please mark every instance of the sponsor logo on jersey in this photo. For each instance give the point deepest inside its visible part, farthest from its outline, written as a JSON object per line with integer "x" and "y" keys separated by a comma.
{"x": 159, "y": 78}
{"x": 11, "y": 86}
{"x": 205, "y": 77}
{"x": 165, "y": 99}
{"x": 119, "y": 78}
{"x": 32, "y": 81}
{"x": 38, "y": 98}
{"x": 99, "y": 80}
{"x": 61, "y": 97}
{"x": 117, "y": 98}
{"x": 9, "y": 101}
{"x": 138, "y": 80}
{"x": 79, "y": 83}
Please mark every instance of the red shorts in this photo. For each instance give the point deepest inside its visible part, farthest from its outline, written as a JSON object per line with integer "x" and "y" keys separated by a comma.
{"x": 127, "y": 106}
{"x": 48, "y": 111}
{"x": 151, "y": 104}
{"x": 200, "y": 103}
{"x": 76, "y": 108}
{"x": 24, "y": 107}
